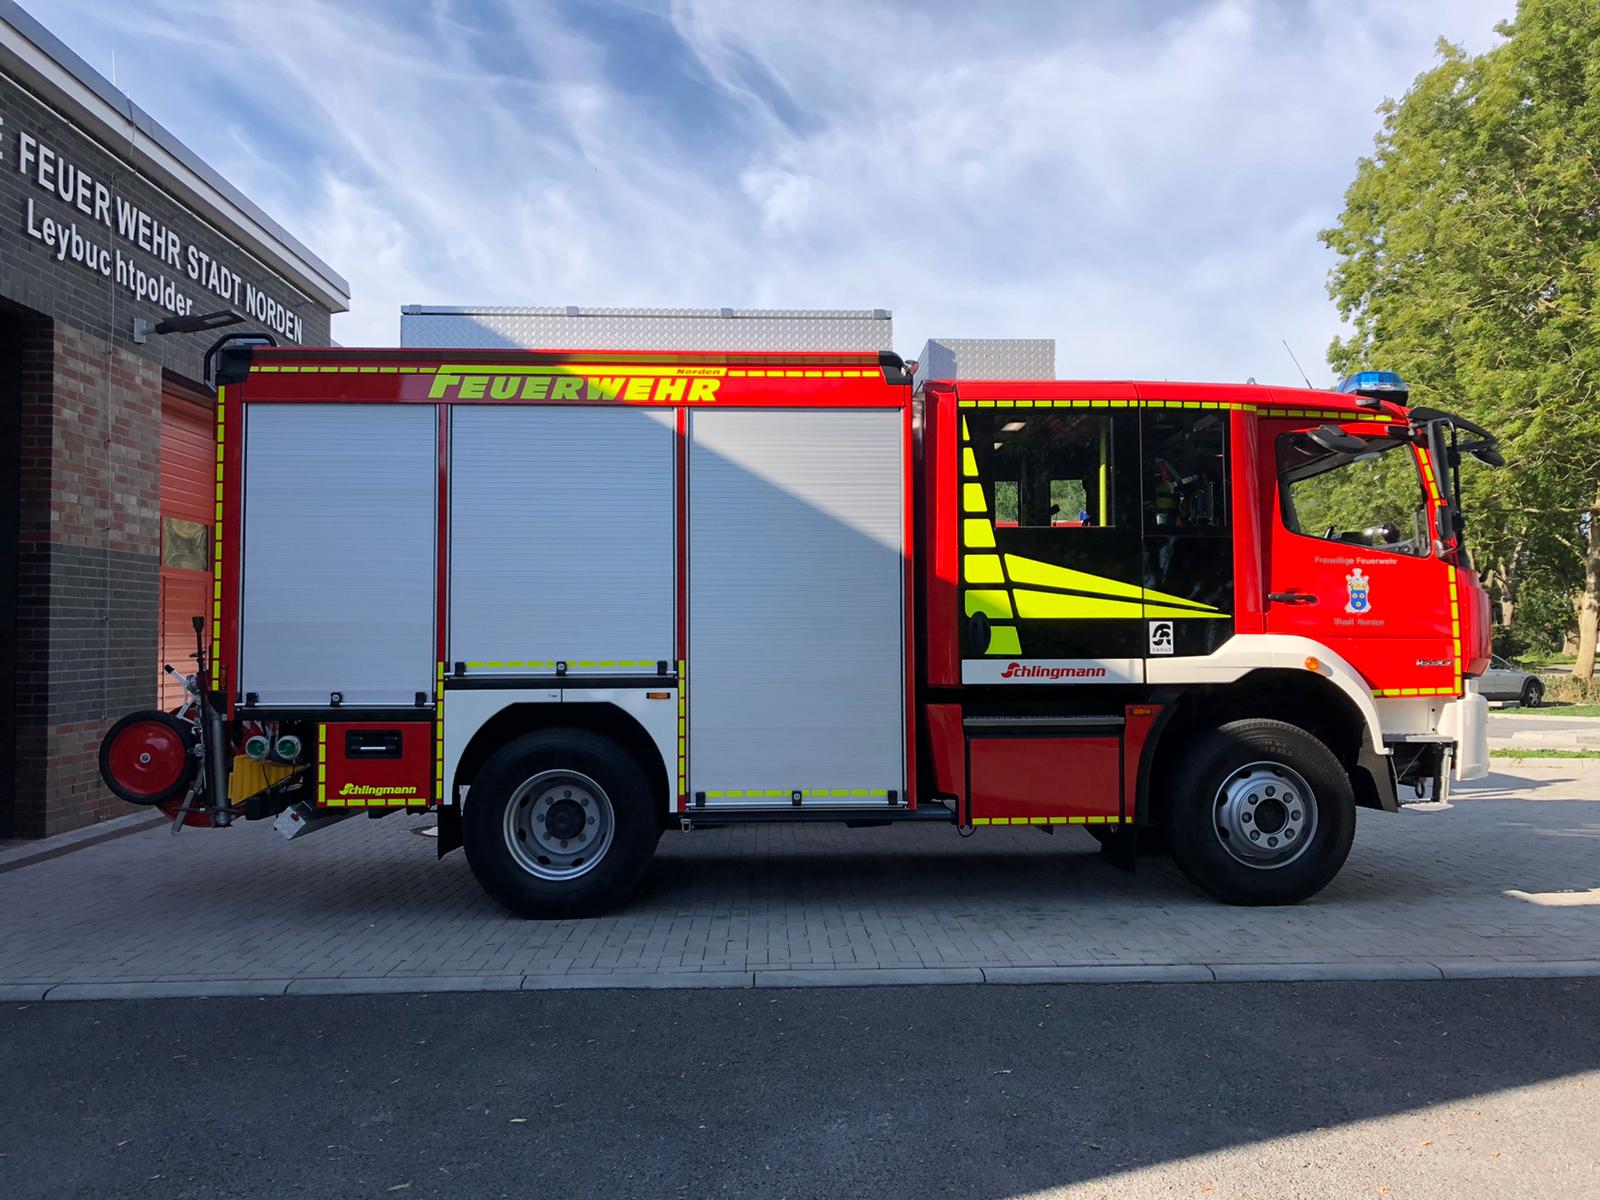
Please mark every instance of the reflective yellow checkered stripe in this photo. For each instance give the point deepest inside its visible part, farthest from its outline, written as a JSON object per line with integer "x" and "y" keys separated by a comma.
{"x": 438, "y": 736}
{"x": 540, "y": 664}
{"x": 1052, "y": 820}
{"x": 314, "y": 369}
{"x": 1458, "y": 652}
{"x": 322, "y": 764}
{"x": 805, "y": 793}
{"x": 683, "y": 729}
{"x": 216, "y": 546}
{"x": 1318, "y": 414}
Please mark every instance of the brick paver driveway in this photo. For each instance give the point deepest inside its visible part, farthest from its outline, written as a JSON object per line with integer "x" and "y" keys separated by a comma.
{"x": 1505, "y": 881}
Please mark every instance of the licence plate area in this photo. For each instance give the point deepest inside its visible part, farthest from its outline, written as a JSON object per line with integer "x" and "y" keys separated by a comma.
{"x": 1024, "y": 779}
{"x": 372, "y": 765}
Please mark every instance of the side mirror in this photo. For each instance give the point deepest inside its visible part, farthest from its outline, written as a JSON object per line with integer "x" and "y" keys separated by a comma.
{"x": 1336, "y": 441}
{"x": 1488, "y": 456}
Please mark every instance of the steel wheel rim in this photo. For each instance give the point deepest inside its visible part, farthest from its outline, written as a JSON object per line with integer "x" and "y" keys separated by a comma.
{"x": 559, "y": 824}
{"x": 148, "y": 758}
{"x": 1265, "y": 815}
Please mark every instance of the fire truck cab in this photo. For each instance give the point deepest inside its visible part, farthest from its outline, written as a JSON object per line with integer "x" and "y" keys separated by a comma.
{"x": 571, "y": 600}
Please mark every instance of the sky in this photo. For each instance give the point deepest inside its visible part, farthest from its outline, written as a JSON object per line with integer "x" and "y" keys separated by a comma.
{"x": 1142, "y": 180}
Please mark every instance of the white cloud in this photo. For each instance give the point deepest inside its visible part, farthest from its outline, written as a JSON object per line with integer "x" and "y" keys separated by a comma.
{"x": 1145, "y": 190}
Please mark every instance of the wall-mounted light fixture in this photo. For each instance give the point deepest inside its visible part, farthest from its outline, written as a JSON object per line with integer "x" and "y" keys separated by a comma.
{"x": 198, "y": 323}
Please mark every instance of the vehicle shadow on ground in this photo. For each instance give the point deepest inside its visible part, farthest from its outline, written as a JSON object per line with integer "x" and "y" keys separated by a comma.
{"x": 1506, "y": 785}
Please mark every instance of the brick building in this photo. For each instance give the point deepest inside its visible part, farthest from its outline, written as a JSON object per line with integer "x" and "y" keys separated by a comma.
{"x": 109, "y": 225}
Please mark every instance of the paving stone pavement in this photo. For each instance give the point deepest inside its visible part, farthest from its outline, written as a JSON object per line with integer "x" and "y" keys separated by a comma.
{"x": 1504, "y": 881}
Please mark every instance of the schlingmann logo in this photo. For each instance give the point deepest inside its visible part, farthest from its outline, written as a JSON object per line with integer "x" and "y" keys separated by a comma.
{"x": 366, "y": 789}
{"x": 1018, "y": 671}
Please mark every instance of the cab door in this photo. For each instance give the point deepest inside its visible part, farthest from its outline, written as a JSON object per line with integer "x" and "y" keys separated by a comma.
{"x": 1351, "y": 559}
{"x": 1188, "y": 567}
{"x": 1050, "y": 549}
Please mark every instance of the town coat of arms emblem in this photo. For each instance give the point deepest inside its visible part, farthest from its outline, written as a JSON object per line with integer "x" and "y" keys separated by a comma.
{"x": 1359, "y": 588}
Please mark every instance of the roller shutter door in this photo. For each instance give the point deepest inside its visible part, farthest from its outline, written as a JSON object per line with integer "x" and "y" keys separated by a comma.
{"x": 561, "y": 540}
{"x": 339, "y": 546}
{"x": 796, "y": 607}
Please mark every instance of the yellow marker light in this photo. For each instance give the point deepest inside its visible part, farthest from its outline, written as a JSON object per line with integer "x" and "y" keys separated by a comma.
{"x": 658, "y": 695}
{"x": 1313, "y": 663}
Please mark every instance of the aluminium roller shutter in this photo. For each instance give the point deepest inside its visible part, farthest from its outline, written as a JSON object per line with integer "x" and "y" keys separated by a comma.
{"x": 562, "y": 542}
{"x": 338, "y": 560}
{"x": 796, "y": 677}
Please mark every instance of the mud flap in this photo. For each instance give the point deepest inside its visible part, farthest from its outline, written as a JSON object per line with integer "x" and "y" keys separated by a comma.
{"x": 449, "y": 829}
{"x": 1379, "y": 770}
{"x": 1121, "y": 849}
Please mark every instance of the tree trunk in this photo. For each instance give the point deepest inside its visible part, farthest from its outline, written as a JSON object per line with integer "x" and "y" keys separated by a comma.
{"x": 1589, "y": 605}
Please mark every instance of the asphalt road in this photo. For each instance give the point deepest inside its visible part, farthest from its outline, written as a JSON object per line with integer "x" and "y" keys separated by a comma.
{"x": 1281, "y": 1090}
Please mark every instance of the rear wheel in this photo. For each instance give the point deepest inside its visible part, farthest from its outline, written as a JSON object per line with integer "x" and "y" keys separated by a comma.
{"x": 1532, "y": 694}
{"x": 559, "y": 823}
{"x": 1266, "y": 814}
{"x": 148, "y": 757}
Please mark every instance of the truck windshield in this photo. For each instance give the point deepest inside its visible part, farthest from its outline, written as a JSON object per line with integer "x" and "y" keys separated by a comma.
{"x": 1373, "y": 499}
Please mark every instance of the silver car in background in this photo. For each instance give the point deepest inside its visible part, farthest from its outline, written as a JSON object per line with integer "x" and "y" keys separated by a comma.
{"x": 1505, "y": 680}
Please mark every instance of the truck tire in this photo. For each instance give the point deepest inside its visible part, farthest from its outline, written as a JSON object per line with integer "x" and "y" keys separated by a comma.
{"x": 1264, "y": 813}
{"x": 559, "y": 823}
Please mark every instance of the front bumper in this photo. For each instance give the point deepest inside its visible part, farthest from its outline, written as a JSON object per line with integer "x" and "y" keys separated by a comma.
{"x": 1465, "y": 721}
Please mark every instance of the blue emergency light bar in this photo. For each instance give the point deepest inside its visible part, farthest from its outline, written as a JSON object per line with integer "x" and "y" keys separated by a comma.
{"x": 1376, "y": 385}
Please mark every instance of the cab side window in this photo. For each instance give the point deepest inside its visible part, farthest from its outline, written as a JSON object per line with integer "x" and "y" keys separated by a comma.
{"x": 1050, "y": 468}
{"x": 1375, "y": 499}
{"x": 1186, "y": 468}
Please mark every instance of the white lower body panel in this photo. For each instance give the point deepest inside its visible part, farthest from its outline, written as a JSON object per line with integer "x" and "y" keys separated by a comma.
{"x": 467, "y": 710}
{"x": 796, "y": 678}
{"x": 1052, "y": 670}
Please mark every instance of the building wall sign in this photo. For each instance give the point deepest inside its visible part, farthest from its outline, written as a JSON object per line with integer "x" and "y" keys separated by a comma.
{"x": 83, "y": 219}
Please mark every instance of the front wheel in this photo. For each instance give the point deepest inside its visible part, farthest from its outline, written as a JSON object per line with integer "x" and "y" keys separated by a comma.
{"x": 1532, "y": 694}
{"x": 559, "y": 823}
{"x": 1265, "y": 814}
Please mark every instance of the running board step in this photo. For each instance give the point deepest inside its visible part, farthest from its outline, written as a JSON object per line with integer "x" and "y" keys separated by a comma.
{"x": 1033, "y": 723}
{"x": 926, "y": 811}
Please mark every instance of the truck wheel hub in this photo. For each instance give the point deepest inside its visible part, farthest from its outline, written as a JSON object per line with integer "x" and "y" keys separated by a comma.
{"x": 559, "y": 824}
{"x": 1266, "y": 815}
{"x": 564, "y": 819}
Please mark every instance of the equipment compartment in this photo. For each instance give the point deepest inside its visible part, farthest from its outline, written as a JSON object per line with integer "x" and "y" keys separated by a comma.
{"x": 375, "y": 766}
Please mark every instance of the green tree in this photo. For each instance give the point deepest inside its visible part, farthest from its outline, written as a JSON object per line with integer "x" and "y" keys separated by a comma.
{"x": 1469, "y": 248}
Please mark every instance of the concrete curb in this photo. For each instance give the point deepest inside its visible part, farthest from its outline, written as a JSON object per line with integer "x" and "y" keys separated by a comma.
{"x": 13, "y": 993}
{"x": 1327, "y": 972}
{"x": 403, "y": 984}
{"x": 867, "y": 976}
{"x": 167, "y": 989}
{"x": 1107, "y": 973}
{"x": 25, "y": 854}
{"x": 653, "y": 981}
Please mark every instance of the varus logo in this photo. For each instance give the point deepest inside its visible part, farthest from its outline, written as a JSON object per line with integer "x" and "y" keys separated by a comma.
{"x": 1019, "y": 671}
{"x": 367, "y": 789}
{"x": 601, "y": 386}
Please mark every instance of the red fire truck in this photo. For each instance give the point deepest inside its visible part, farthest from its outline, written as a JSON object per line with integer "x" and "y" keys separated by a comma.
{"x": 571, "y": 600}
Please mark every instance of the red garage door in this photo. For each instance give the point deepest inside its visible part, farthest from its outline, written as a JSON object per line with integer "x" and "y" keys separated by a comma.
{"x": 188, "y": 475}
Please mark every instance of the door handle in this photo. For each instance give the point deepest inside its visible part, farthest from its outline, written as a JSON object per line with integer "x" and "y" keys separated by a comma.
{"x": 1291, "y": 597}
